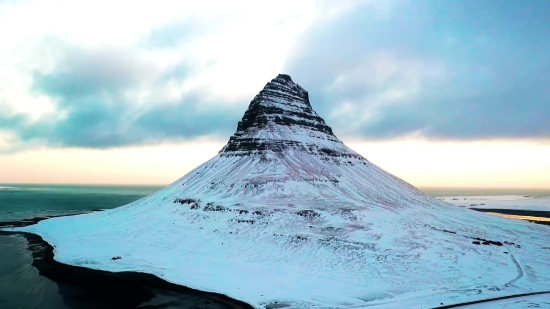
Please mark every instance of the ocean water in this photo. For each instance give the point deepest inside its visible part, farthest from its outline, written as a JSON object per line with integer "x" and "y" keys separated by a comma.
{"x": 18, "y": 200}
{"x": 21, "y": 284}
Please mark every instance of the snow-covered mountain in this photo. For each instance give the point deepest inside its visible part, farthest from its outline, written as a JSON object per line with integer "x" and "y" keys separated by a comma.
{"x": 284, "y": 154}
{"x": 287, "y": 216}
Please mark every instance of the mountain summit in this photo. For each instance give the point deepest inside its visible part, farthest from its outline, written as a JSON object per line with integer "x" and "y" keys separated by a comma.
{"x": 284, "y": 153}
{"x": 287, "y": 216}
{"x": 280, "y": 117}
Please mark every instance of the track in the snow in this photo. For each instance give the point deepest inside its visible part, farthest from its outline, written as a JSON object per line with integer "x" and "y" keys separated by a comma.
{"x": 519, "y": 269}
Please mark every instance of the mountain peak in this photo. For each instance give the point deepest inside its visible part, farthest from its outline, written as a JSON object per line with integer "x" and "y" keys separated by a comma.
{"x": 284, "y": 87}
{"x": 279, "y": 117}
{"x": 285, "y": 77}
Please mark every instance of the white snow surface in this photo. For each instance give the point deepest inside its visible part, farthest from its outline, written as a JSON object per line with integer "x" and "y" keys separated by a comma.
{"x": 515, "y": 202}
{"x": 377, "y": 240}
{"x": 307, "y": 230}
{"x": 525, "y": 302}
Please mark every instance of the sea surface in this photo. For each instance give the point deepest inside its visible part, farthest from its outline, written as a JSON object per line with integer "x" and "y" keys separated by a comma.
{"x": 22, "y": 286}
{"x": 20, "y": 201}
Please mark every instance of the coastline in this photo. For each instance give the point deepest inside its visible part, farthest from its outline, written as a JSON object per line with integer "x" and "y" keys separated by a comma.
{"x": 98, "y": 288}
{"x": 121, "y": 289}
{"x": 516, "y": 214}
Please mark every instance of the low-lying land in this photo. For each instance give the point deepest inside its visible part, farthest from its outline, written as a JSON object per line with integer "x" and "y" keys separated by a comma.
{"x": 522, "y": 207}
{"x": 516, "y": 202}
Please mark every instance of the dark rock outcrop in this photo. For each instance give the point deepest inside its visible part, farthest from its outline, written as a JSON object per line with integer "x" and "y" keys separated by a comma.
{"x": 272, "y": 116}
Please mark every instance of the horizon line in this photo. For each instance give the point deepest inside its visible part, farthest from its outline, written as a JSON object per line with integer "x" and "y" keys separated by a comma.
{"x": 167, "y": 184}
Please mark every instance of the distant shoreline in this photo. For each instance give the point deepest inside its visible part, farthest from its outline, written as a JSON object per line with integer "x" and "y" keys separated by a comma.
{"x": 434, "y": 191}
{"x": 482, "y": 191}
{"x": 104, "y": 288}
{"x": 517, "y": 214}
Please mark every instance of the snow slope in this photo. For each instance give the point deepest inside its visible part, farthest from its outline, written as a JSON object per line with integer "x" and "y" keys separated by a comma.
{"x": 287, "y": 213}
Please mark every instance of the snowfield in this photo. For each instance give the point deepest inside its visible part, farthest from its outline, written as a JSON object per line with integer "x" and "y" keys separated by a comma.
{"x": 287, "y": 216}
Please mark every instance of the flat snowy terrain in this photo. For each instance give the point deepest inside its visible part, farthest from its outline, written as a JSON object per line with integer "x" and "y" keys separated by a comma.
{"x": 515, "y": 202}
{"x": 287, "y": 216}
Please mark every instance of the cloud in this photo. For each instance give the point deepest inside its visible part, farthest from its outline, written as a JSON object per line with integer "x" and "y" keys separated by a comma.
{"x": 175, "y": 33}
{"x": 83, "y": 73}
{"x": 430, "y": 69}
{"x": 170, "y": 71}
{"x": 98, "y": 104}
{"x": 374, "y": 70}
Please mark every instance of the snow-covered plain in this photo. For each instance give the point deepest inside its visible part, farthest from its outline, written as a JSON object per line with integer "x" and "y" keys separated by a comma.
{"x": 287, "y": 216}
{"x": 515, "y": 202}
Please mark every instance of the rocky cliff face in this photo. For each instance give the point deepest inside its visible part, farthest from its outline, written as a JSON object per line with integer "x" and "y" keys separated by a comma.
{"x": 281, "y": 118}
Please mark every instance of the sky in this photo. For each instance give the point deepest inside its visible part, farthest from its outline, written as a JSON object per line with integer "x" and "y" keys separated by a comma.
{"x": 439, "y": 93}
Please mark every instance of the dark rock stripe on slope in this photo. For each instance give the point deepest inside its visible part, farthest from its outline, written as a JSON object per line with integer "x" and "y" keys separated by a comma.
{"x": 282, "y": 103}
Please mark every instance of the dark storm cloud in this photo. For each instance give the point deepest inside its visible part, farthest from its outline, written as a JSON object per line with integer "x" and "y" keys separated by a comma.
{"x": 94, "y": 110}
{"x": 465, "y": 69}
